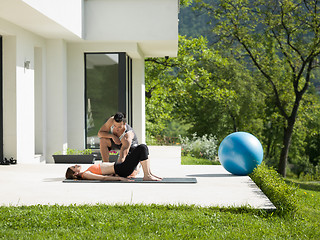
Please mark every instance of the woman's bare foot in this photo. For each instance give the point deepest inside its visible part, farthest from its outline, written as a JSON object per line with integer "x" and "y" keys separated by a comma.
{"x": 133, "y": 174}
{"x": 160, "y": 178}
{"x": 151, "y": 178}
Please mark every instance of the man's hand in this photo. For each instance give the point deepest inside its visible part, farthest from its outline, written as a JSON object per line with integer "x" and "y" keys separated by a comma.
{"x": 116, "y": 140}
{"x": 122, "y": 179}
{"x": 134, "y": 174}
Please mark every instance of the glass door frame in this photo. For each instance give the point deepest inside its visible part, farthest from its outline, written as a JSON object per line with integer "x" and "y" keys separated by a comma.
{"x": 124, "y": 86}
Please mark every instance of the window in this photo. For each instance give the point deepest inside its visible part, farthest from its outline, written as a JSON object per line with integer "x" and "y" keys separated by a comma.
{"x": 108, "y": 89}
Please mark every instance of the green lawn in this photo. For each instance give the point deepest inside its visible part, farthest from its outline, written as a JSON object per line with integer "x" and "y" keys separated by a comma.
{"x": 160, "y": 222}
{"x": 189, "y": 160}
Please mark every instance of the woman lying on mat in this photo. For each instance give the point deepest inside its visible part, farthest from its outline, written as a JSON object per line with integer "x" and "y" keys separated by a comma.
{"x": 104, "y": 170}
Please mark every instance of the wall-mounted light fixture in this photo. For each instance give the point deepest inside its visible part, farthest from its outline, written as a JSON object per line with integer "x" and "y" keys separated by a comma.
{"x": 26, "y": 64}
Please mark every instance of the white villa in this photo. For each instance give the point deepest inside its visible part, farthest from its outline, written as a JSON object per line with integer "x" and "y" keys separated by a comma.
{"x": 67, "y": 65}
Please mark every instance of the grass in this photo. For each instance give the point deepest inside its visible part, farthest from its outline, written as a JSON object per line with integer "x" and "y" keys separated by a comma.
{"x": 164, "y": 222}
{"x": 314, "y": 186}
{"x": 189, "y": 160}
{"x": 160, "y": 222}
{"x": 281, "y": 194}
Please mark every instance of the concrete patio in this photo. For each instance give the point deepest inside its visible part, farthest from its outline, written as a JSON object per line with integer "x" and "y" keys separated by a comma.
{"x": 32, "y": 184}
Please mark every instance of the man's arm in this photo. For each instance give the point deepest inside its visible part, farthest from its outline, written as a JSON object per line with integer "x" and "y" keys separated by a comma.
{"x": 126, "y": 143}
{"x": 104, "y": 131}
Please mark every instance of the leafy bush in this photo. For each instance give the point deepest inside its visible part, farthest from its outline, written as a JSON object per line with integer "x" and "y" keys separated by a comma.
{"x": 311, "y": 174}
{"x": 282, "y": 195}
{"x": 200, "y": 147}
{"x": 71, "y": 151}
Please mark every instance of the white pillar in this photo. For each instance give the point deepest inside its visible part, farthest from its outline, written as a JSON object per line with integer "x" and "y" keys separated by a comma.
{"x": 25, "y": 99}
{"x": 56, "y": 99}
{"x": 40, "y": 107}
{"x": 138, "y": 92}
{"x": 9, "y": 97}
{"x": 76, "y": 113}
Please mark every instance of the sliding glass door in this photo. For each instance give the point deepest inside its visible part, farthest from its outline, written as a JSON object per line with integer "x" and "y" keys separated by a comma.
{"x": 108, "y": 89}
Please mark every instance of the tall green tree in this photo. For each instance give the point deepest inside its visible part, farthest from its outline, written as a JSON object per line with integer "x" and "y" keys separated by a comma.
{"x": 281, "y": 39}
{"x": 211, "y": 93}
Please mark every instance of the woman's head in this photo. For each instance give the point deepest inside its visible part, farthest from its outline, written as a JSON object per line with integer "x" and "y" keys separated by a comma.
{"x": 73, "y": 172}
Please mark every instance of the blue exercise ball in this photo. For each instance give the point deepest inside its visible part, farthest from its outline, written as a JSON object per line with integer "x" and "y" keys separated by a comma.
{"x": 240, "y": 153}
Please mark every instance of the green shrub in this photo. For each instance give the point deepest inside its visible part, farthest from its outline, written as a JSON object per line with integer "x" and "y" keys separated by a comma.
{"x": 199, "y": 147}
{"x": 282, "y": 195}
{"x": 75, "y": 152}
{"x": 312, "y": 174}
{"x": 151, "y": 140}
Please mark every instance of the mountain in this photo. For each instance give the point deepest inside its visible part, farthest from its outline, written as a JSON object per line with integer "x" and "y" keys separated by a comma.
{"x": 193, "y": 24}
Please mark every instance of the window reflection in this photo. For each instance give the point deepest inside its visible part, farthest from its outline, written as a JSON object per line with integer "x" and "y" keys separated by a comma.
{"x": 102, "y": 95}
{"x": 108, "y": 89}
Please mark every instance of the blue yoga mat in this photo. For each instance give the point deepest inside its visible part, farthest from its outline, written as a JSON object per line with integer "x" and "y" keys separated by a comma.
{"x": 136, "y": 180}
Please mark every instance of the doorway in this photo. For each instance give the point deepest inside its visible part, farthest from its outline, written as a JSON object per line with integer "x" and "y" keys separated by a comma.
{"x": 108, "y": 89}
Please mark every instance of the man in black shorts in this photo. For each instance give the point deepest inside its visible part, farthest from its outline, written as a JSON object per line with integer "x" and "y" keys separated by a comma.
{"x": 117, "y": 134}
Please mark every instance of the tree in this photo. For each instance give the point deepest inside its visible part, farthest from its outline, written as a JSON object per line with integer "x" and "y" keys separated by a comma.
{"x": 167, "y": 80}
{"x": 281, "y": 39}
{"x": 158, "y": 107}
{"x": 213, "y": 94}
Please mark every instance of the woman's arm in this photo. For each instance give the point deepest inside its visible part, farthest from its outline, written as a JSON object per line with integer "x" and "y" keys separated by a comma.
{"x": 125, "y": 147}
{"x": 91, "y": 176}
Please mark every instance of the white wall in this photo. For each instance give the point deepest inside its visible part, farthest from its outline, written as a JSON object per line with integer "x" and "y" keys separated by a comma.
{"x": 35, "y": 103}
{"x": 76, "y": 114}
{"x": 40, "y": 101}
{"x": 153, "y": 24}
{"x": 19, "y": 91}
{"x": 44, "y": 105}
{"x": 44, "y": 110}
{"x": 67, "y": 13}
{"x": 128, "y": 20}
{"x": 138, "y": 93}
{"x": 46, "y": 18}
{"x": 9, "y": 97}
{"x": 25, "y": 99}
{"x": 56, "y": 97}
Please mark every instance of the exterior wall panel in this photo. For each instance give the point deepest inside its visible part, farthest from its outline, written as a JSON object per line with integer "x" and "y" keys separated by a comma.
{"x": 43, "y": 104}
{"x": 61, "y": 11}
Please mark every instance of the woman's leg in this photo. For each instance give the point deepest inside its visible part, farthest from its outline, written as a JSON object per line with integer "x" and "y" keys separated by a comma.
{"x": 139, "y": 154}
{"x": 126, "y": 168}
{"x": 147, "y": 175}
